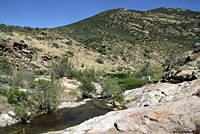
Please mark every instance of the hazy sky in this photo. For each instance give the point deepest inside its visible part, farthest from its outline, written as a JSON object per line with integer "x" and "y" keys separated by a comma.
{"x": 52, "y": 13}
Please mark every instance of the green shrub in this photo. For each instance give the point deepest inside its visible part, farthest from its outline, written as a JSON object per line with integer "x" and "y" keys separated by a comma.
{"x": 144, "y": 71}
{"x": 87, "y": 86}
{"x": 99, "y": 60}
{"x": 112, "y": 89}
{"x": 46, "y": 98}
{"x": 131, "y": 83}
{"x": 124, "y": 59}
{"x": 119, "y": 68}
{"x": 5, "y": 66}
{"x": 15, "y": 96}
{"x": 55, "y": 45}
{"x": 70, "y": 53}
{"x": 62, "y": 68}
{"x": 21, "y": 78}
{"x": 39, "y": 49}
{"x": 21, "y": 112}
{"x": 22, "y": 41}
{"x": 1, "y": 53}
{"x": 82, "y": 65}
{"x": 4, "y": 89}
{"x": 40, "y": 72}
{"x": 178, "y": 68}
{"x": 44, "y": 33}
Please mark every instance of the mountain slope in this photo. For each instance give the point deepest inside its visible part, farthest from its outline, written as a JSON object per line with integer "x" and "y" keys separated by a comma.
{"x": 137, "y": 36}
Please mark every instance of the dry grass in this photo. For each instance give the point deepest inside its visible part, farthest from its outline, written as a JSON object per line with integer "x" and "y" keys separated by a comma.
{"x": 81, "y": 56}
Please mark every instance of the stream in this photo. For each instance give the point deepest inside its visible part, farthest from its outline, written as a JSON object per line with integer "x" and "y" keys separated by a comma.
{"x": 60, "y": 120}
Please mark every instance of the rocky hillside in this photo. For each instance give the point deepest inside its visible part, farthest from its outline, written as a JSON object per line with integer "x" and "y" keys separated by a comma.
{"x": 36, "y": 49}
{"x": 118, "y": 38}
{"x": 157, "y": 108}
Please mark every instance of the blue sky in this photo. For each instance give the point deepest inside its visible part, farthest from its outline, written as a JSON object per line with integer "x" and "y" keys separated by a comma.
{"x": 53, "y": 13}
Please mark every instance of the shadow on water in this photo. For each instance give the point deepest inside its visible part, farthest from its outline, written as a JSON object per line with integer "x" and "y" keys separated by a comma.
{"x": 60, "y": 120}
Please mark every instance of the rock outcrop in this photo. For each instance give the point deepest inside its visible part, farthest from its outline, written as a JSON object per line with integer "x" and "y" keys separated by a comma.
{"x": 18, "y": 51}
{"x": 158, "y": 108}
{"x": 181, "y": 116}
{"x": 186, "y": 67}
{"x": 159, "y": 93}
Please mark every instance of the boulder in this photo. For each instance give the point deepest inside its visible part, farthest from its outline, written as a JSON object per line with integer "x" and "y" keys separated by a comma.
{"x": 47, "y": 57}
{"x": 11, "y": 113}
{"x": 185, "y": 75}
{"x": 4, "y": 47}
{"x": 23, "y": 90}
{"x": 19, "y": 46}
{"x": 98, "y": 88}
{"x": 6, "y": 120}
{"x": 41, "y": 78}
{"x": 69, "y": 83}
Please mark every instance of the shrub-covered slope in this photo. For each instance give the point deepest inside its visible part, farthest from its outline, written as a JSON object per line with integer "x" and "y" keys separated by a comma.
{"x": 156, "y": 34}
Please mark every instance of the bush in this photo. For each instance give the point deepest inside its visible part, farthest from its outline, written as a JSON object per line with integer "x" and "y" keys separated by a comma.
{"x": 21, "y": 112}
{"x": 4, "y": 89}
{"x": 112, "y": 89}
{"x": 144, "y": 71}
{"x": 43, "y": 33}
{"x": 15, "y": 96}
{"x": 131, "y": 83}
{"x": 99, "y": 60}
{"x": 1, "y": 53}
{"x": 90, "y": 75}
{"x": 87, "y": 86}
{"x": 55, "y": 45}
{"x": 62, "y": 68}
{"x": 21, "y": 79}
{"x": 178, "y": 68}
{"x": 5, "y": 66}
{"x": 40, "y": 72}
{"x": 39, "y": 49}
{"x": 46, "y": 98}
{"x": 69, "y": 53}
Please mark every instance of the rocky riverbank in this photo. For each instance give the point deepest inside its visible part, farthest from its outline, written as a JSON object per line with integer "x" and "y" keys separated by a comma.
{"x": 171, "y": 106}
{"x": 159, "y": 108}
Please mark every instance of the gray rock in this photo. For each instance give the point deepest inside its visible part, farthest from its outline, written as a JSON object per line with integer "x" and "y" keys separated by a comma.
{"x": 158, "y": 108}
{"x": 184, "y": 68}
{"x": 180, "y": 116}
{"x": 6, "y": 120}
{"x": 98, "y": 88}
{"x": 19, "y": 45}
{"x": 197, "y": 48}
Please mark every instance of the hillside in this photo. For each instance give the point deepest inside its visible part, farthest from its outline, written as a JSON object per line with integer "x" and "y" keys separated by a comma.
{"x": 118, "y": 38}
{"x": 137, "y": 36}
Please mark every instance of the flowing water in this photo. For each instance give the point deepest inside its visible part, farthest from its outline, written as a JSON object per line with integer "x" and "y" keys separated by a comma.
{"x": 60, "y": 120}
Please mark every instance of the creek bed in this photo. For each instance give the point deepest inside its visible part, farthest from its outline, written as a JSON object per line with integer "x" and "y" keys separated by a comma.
{"x": 60, "y": 120}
